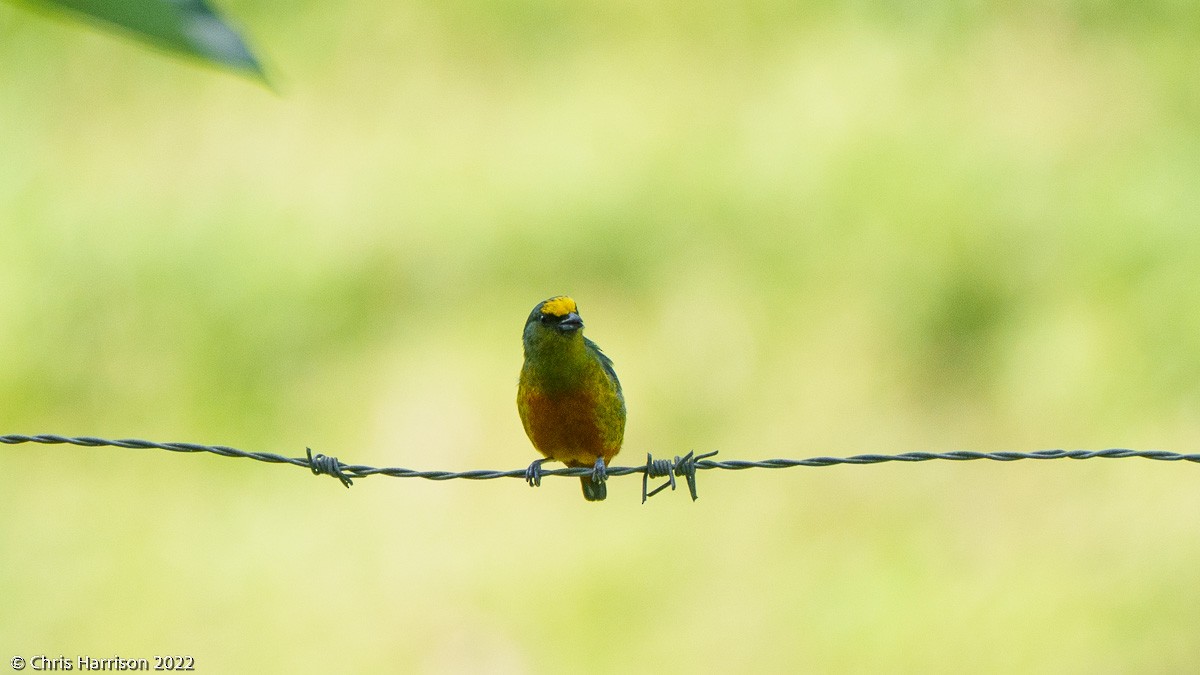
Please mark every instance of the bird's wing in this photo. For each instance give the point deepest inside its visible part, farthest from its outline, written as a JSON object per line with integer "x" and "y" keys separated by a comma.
{"x": 605, "y": 362}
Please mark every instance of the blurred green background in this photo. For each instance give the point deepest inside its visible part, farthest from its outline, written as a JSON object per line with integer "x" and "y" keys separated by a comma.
{"x": 798, "y": 230}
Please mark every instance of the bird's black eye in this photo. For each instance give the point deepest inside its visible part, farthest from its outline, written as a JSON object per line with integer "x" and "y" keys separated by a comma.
{"x": 549, "y": 319}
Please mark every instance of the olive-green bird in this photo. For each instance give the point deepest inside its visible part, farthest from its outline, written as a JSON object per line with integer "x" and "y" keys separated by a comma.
{"x": 569, "y": 397}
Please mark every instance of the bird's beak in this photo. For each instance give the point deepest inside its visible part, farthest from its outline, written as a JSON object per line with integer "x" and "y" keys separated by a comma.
{"x": 570, "y": 323}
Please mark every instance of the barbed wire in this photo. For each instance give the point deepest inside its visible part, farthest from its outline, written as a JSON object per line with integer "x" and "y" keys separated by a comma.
{"x": 684, "y": 467}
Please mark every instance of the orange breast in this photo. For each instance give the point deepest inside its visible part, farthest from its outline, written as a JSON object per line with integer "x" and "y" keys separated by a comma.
{"x": 565, "y": 427}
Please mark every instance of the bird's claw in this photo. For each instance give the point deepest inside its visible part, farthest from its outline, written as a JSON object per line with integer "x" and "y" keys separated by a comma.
{"x": 599, "y": 471}
{"x": 533, "y": 475}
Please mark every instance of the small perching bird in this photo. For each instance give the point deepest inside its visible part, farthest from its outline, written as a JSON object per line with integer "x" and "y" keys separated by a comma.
{"x": 569, "y": 397}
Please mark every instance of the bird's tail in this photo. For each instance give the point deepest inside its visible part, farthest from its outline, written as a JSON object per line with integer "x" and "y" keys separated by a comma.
{"x": 593, "y": 491}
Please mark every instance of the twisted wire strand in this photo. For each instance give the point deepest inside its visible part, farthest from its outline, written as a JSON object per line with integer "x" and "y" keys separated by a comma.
{"x": 685, "y": 466}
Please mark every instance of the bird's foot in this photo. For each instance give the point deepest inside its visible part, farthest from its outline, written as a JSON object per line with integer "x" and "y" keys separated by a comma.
{"x": 533, "y": 475}
{"x": 599, "y": 471}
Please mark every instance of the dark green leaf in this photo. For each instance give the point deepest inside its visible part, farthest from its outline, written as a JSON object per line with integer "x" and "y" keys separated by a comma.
{"x": 188, "y": 26}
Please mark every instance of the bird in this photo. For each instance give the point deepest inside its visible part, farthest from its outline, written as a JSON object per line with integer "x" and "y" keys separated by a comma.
{"x": 568, "y": 396}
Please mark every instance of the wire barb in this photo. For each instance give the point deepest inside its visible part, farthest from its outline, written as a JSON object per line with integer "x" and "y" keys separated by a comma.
{"x": 324, "y": 464}
{"x": 657, "y": 468}
{"x": 680, "y": 466}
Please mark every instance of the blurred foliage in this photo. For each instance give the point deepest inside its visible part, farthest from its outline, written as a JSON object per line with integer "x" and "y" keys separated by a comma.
{"x": 188, "y": 26}
{"x": 797, "y": 229}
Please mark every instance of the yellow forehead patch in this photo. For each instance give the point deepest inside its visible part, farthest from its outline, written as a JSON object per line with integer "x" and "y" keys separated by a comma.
{"x": 560, "y": 306}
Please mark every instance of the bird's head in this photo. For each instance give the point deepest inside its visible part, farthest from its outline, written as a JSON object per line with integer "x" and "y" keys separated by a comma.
{"x": 553, "y": 321}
